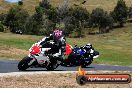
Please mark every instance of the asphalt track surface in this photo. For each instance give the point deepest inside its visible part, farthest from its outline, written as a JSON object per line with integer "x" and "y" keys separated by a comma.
{"x": 7, "y": 66}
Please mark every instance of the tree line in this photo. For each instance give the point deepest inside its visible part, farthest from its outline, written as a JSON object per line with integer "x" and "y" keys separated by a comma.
{"x": 73, "y": 20}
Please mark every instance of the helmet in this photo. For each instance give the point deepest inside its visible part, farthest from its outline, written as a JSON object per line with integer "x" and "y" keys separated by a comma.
{"x": 57, "y": 34}
{"x": 88, "y": 46}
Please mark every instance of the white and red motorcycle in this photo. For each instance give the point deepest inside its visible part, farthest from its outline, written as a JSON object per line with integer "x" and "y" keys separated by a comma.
{"x": 39, "y": 58}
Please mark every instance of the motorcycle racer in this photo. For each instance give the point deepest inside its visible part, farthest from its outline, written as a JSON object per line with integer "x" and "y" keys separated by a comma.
{"x": 88, "y": 49}
{"x": 59, "y": 43}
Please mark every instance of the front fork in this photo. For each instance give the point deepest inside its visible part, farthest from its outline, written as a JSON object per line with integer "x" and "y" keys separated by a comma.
{"x": 33, "y": 59}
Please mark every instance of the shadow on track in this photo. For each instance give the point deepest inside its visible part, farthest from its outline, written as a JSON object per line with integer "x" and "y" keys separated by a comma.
{"x": 38, "y": 70}
{"x": 88, "y": 67}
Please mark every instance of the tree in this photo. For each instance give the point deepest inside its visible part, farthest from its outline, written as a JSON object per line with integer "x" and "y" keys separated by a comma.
{"x": 16, "y": 19}
{"x": 63, "y": 11}
{"x": 2, "y": 17}
{"x": 35, "y": 22}
{"x": 130, "y": 12}
{"x": 80, "y": 14}
{"x": 1, "y": 27}
{"x": 38, "y": 23}
{"x": 52, "y": 14}
{"x": 64, "y": 16}
{"x": 49, "y": 10}
{"x": 120, "y": 13}
{"x": 20, "y": 3}
{"x": 100, "y": 18}
{"x": 70, "y": 24}
{"x": 45, "y": 4}
{"x": 49, "y": 26}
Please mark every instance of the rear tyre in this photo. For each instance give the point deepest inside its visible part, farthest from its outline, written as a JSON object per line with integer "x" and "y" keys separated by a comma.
{"x": 23, "y": 64}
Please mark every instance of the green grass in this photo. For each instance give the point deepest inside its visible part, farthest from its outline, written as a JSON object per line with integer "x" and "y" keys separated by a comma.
{"x": 114, "y": 47}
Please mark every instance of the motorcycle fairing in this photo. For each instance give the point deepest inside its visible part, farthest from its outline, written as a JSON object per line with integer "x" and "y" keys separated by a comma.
{"x": 35, "y": 49}
{"x": 79, "y": 51}
{"x": 68, "y": 49}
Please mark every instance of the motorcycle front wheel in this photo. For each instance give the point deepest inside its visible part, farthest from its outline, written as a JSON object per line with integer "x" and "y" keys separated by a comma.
{"x": 23, "y": 64}
{"x": 85, "y": 64}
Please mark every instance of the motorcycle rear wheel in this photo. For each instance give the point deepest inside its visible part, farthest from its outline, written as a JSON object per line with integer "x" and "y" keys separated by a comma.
{"x": 84, "y": 65}
{"x": 23, "y": 64}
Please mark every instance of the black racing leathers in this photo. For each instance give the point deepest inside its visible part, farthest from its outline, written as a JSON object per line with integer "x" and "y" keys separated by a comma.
{"x": 58, "y": 48}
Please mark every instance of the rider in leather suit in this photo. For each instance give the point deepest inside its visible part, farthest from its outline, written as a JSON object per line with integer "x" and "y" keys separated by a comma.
{"x": 59, "y": 43}
{"x": 88, "y": 49}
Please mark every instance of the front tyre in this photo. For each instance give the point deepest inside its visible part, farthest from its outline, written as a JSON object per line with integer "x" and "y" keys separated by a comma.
{"x": 53, "y": 65}
{"x": 23, "y": 64}
{"x": 85, "y": 64}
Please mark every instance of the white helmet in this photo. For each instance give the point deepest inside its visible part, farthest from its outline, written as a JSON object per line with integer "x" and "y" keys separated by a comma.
{"x": 88, "y": 46}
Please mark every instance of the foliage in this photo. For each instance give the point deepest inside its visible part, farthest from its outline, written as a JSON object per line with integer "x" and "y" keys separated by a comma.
{"x": 20, "y": 3}
{"x": 120, "y": 13}
{"x": 69, "y": 24}
{"x": 35, "y": 22}
{"x": 81, "y": 14}
{"x": 52, "y": 14}
{"x": 45, "y": 4}
{"x": 63, "y": 11}
{"x": 16, "y": 18}
{"x": 74, "y": 19}
{"x": 1, "y": 27}
{"x": 39, "y": 24}
{"x": 49, "y": 10}
{"x": 49, "y": 27}
{"x": 2, "y": 17}
{"x": 130, "y": 12}
{"x": 71, "y": 17}
{"x": 64, "y": 16}
{"x": 100, "y": 18}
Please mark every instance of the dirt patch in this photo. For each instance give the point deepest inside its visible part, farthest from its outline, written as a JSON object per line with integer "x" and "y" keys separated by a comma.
{"x": 55, "y": 80}
{"x": 11, "y": 52}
